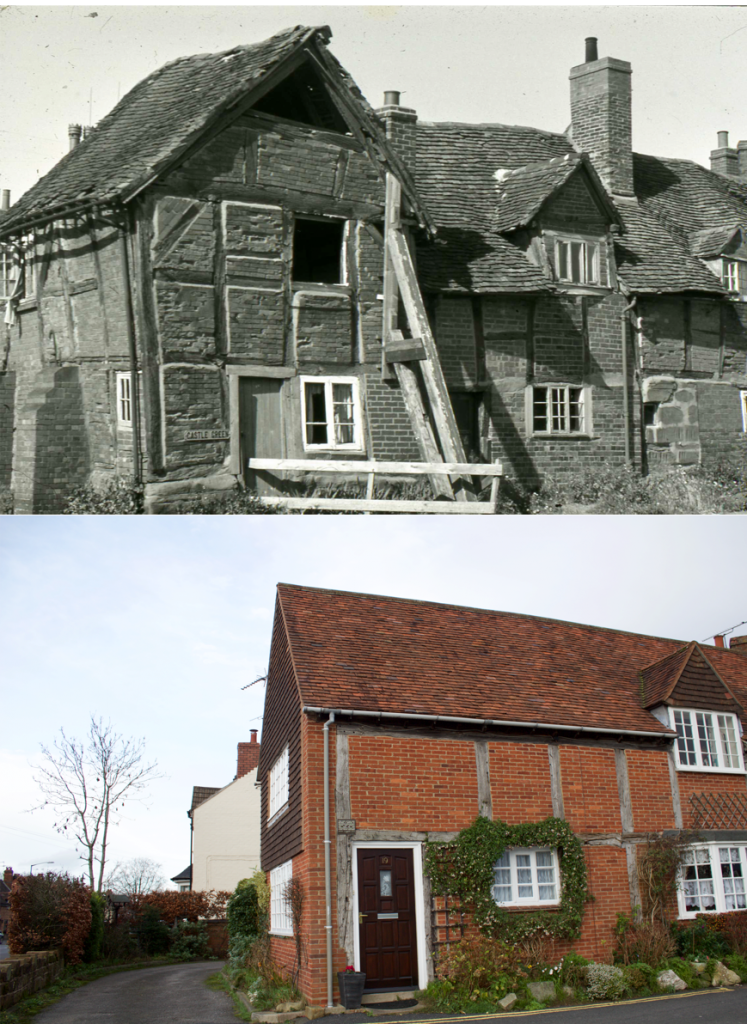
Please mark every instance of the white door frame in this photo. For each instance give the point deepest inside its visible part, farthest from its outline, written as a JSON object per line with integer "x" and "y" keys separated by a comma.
{"x": 417, "y": 881}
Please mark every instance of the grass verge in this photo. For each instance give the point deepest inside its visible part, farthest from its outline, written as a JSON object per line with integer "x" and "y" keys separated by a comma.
{"x": 218, "y": 982}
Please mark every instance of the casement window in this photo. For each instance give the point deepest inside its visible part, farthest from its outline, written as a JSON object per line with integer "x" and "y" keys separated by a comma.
{"x": 278, "y": 785}
{"x": 281, "y": 922}
{"x": 712, "y": 879}
{"x": 331, "y": 413}
{"x": 743, "y": 399}
{"x": 733, "y": 276}
{"x": 562, "y": 409}
{"x": 17, "y": 261}
{"x": 526, "y": 877}
{"x": 8, "y": 273}
{"x": 319, "y": 251}
{"x": 577, "y": 261}
{"x": 707, "y": 741}
{"x": 124, "y": 400}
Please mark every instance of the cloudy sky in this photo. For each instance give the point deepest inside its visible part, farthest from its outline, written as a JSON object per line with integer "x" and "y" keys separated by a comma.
{"x": 157, "y": 623}
{"x": 452, "y": 63}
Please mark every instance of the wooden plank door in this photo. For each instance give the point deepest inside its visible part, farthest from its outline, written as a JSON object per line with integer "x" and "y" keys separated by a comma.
{"x": 260, "y": 421}
{"x": 386, "y": 904}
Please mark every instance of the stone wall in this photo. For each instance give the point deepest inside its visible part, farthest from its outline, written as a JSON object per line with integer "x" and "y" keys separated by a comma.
{"x": 22, "y": 975}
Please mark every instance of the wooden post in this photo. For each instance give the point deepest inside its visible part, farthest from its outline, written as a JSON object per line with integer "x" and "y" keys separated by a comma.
{"x": 438, "y": 395}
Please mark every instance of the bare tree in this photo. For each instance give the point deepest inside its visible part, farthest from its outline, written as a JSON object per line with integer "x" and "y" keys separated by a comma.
{"x": 89, "y": 781}
{"x": 135, "y": 877}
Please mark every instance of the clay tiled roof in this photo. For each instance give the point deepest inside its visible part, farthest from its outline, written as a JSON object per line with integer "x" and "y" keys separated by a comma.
{"x": 201, "y": 793}
{"x": 687, "y": 678}
{"x": 363, "y": 652}
{"x": 712, "y": 241}
{"x": 520, "y": 194}
{"x": 659, "y": 678}
{"x": 162, "y": 115}
{"x": 687, "y": 194}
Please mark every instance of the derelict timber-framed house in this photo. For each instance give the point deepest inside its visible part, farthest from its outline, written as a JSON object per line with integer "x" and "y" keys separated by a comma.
{"x": 389, "y": 723}
{"x": 241, "y": 232}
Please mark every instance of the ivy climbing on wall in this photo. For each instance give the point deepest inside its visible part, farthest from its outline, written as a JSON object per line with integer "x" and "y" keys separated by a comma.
{"x": 463, "y": 868}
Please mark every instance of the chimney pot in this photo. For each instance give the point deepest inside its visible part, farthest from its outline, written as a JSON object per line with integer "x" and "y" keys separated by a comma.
{"x": 723, "y": 140}
{"x": 719, "y": 641}
{"x": 5, "y": 199}
{"x": 254, "y": 736}
{"x": 591, "y": 49}
{"x": 74, "y": 132}
{"x": 391, "y": 99}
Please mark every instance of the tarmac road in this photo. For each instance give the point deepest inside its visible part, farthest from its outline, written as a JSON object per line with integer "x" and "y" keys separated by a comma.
{"x": 155, "y": 995}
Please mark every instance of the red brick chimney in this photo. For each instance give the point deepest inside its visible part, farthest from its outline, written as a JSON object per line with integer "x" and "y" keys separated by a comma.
{"x": 601, "y": 117}
{"x": 248, "y": 756}
{"x": 8, "y": 877}
{"x": 739, "y": 643}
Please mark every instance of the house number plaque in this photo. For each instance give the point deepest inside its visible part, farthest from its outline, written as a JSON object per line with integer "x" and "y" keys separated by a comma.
{"x": 346, "y": 825}
{"x": 206, "y": 435}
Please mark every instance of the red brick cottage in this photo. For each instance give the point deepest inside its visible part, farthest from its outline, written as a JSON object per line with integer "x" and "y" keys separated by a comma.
{"x": 431, "y": 715}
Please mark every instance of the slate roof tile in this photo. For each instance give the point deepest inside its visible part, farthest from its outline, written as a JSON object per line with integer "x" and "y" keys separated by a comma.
{"x": 521, "y": 193}
{"x": 364, "y": 652}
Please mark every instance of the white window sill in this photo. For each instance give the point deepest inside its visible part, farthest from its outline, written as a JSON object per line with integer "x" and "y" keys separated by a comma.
{"x": 562, "y": 437}
{"x": 281, "y": 933}
{"x": 278, "y": 815}
{"x": 710, "y": 771}
{"x": 539, "y": 905}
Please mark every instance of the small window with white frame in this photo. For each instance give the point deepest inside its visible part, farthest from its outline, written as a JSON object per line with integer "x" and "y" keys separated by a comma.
{"x": 8, "y": 272}
{"x": 278, "y": 785}
{"x": 526, "y": 877}
{"x": 743, "y": 399}
{"x": 559, "y": 409}
{"x": 330, "y": 407}
{"x": 124, "y": 401}
{"x": 712, "y": 879}
{"x": 578, "y": 261}
{"x": 733, "y": 275}
{"x": 707, "y": 741}
{"x": 281, "y": 922}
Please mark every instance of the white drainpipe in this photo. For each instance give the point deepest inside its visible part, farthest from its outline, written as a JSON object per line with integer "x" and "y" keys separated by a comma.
{"x": 327, "y": 866}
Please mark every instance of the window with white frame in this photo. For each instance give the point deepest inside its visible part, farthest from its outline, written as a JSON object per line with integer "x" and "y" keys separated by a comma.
{"x": 281, "y": 922}
{"x": 124, "y": 400}
{"x": 278, "y": 784}
{"x": 707, "y": 741}
{"x": 712, "y": 878}
{"x": 526, "y": 876}
{"x": 743, "y": 398}
{"x": 560, "y": 409}
{"x": 8, "y": 272}
{"x": 732, "y": 275}
{"x": 577, "y": 261}
{"x": 331, "y": 413}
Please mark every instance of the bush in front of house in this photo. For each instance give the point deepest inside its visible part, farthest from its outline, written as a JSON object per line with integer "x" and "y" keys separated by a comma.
{"x": 605, "y": 981}
{"x": 50, "y": 911}
{"x": 95, "y": 937}
{"x": 189, "y": 941}
{"x": 117, "y": 498}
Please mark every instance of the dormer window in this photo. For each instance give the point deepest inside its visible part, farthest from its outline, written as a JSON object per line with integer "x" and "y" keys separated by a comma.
{"x": 707, "y": 741}
{"x": 577, "y": 261}
{"x": 733, "y": 276}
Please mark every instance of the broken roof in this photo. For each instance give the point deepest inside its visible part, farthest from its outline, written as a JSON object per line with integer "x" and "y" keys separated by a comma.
{"x": 169, "y": 111}
{"x": 369, "y": 653}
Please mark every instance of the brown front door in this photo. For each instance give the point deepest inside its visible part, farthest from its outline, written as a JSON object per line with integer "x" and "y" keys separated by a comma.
{"x": 386, "y": 905}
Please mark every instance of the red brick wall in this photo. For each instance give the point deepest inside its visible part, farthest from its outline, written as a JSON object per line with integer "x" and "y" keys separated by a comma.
{"x": 607, "y": 874}
{"x": 706, "y": 782}
{"x": 590, "y": 795}
{"x": 520, "y": 782}
{"x": 412, "y": 784}
{"x": 650, "y": 792}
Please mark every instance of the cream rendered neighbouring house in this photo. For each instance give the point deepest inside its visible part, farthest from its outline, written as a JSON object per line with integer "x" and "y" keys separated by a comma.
{"x": 225, "y": 827}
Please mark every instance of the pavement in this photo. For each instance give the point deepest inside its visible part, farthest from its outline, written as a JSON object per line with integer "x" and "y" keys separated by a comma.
{"x": 161, "y": 995}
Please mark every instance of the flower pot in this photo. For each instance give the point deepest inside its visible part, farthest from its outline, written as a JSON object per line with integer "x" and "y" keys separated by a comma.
{"x": 351, "y": 988}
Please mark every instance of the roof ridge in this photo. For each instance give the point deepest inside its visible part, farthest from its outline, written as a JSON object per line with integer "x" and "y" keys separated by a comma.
{"x": 489, "y": 611}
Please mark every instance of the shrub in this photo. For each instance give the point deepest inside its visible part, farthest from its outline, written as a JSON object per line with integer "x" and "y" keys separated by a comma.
{"x": 95, "y": 937}
{"x": 242, "y": 911}
{"x": 683, "y": 968}
{"x": 639, "y": 978}
{"x": 177, "y": 906}
{"x": 604, "y": 981}
{"x": 117, "y": 498}
{"x": 237, "y": 502}
{"x": 49, "y": 911}
{"x": 118, "y": 942}
{"x": 573, "y": 970}
{"x": 647, "y": 942}
{"x": 737, "y": 962}
{"x": 480, "y": 963}
{"x": 697, "y": 940}
{"x": 732, "y": 927}
{"x": 190, "y": 940}
{"x": 153, "y": 934}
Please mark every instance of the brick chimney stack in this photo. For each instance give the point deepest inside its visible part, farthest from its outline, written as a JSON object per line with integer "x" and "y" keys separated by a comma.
{"x": 5, "y": 199}
{"x": 739, "y": 644}
{"x": 726, "y": 160}
{"x": 74, "y": 132}
{"x": 601, "y": 117}
{"x": 8, "y": 877}
{"x": 248, "y": 756}
{"x": 399, "y": 123}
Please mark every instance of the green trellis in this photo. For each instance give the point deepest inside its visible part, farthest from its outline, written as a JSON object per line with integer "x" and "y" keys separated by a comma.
{"x": 463, "y": 868}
